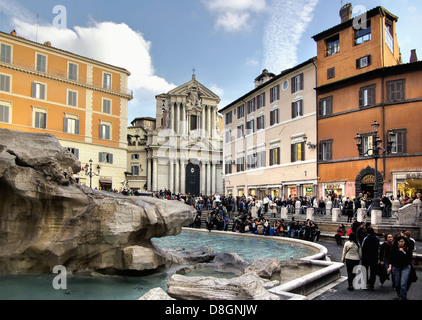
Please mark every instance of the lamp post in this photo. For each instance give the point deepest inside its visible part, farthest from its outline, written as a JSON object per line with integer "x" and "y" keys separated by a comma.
{"x": 90, "y": 173}
{"x": 376, "y": 152}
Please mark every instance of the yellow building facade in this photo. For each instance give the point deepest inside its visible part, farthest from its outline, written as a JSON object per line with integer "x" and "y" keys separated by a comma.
{"x": 81, "y": 101}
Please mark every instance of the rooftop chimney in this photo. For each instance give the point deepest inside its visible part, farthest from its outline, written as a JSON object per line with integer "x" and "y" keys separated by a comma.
{"x": 413, "y": 56}
{"x": 346, "y": 12}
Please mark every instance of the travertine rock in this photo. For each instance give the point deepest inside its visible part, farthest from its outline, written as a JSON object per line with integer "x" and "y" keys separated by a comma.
{"x": 156, "y": 294}
{"x": 246, "y": 287}
{"x": 47, "y": 220}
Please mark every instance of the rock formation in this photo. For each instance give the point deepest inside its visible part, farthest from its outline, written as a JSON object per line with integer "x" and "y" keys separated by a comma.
{"x": 46, "y": 219}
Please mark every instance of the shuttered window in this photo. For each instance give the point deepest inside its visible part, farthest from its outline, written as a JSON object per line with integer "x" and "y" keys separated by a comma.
{"x": 396, "y": 90}
{"x": 325, "y": 107}
{"x": 297, "y": 109}
{"x": 298, "y": 152}
{"x": 6, "y": 53}
{"x": 4, "y": 83}
{"x": 399, "y": 141}
{"x": 325, "y": 151}
{"x": 41, "y": 63}
{"x": 367, "y": 96}
{"x": 38, "y": 90}
{"x": 4, "y": 113}
{"x": 297, "y": 83}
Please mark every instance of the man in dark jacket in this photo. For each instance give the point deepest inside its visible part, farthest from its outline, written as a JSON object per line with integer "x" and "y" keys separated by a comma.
{"x": 370, "y": 248}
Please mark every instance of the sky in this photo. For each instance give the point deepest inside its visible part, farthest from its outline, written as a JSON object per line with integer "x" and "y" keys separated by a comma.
{"x": 161, "y": 42}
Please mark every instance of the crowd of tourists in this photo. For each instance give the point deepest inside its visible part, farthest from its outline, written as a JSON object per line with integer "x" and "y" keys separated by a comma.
{"x": 392, "y": 260}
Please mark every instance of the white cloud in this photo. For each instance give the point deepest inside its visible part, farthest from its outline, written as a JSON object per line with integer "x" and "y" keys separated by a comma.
{"x": 218, "y": 91}
{"x": 109, "y": 42}
{"x": 234, "y": 15}
{"x": 287, "y": 23}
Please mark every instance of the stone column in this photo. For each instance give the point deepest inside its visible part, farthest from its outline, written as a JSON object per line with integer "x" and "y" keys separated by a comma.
{"x": 171, "y": 175}
{"x": 213, "y": 177}
{"x": 209, "y": 178}
{"x": 177, "y": 177}
{"x": 336, "y": 214}
{"x": 208, "y": 121}
{"x": 182, "y": 176}
{"x": 183, "y": 125}
{"x": 203, "y": 177}
{"x": 149, "y": 171}
{"x": 310, "y": 213}
{"x": 172, "y": 116}
{"x": 376, "y": 217}
{"x": 361, "y": 214}
{"x": 155, "y": 174}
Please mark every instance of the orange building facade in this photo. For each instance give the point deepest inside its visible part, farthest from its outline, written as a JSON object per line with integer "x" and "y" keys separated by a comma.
{"x": 361, "y": 79}
{"x": 81, "y": 101}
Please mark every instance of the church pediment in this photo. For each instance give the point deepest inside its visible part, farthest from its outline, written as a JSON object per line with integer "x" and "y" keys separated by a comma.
{"x": 194, "y": 88}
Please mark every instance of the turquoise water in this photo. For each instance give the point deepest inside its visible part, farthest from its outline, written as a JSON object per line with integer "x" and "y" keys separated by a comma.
{"x": 131, "y": 288}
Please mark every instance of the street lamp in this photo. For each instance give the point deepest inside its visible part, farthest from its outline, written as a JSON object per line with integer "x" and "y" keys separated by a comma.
{"x": 90, "y": 173}
{"x": 374, "y": 152}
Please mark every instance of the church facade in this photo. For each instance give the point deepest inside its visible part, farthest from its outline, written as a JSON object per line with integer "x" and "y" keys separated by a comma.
{"x": 185, "y": 152}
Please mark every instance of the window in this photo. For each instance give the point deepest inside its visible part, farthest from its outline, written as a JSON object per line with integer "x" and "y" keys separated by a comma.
{"x": 298, "y": 152}
{"x": 250, "y": 126}
{"x": 193, "y": 122}
{"x": 72, "y": 98}
{"x": 229, "y": 117}
{"x": 260, "y": 159}
{"x": 240, "y": 164}
{"x": 274, "y": 93}
{"x": 107, "y": 81}
{"x": 106, "y": 108}
{"x": 261, "y": 101}
{"x": 104, "y": 157}
{"x": 260, "y": 123}
{"x": 363, "y": 62}
{"x": 297, "y": 109}
{"x": 228, "y": 166}
{"x": 297, "y": 83}
{"x": 275, "y": 156}
{"x": 40, "y": 119}
{"x": 251, "y": 161}
{"x": 241, "y": 111}
{"x": 274, "y": 117}
{"x": 135, "y": 156}
{"x": 135, "y": 170}
{"x": 4, "y": 83}
{"x": 367, "y": 96}
{"x": 74, "y": 151}
{"x": 389, "y": 39}
{"x": 4, "y": 113}
{"x": 105, "y": 131}
{"x": 240, "y": 130}
{"x": 325, "y": 151}
{"x": 5, "y": 53}
{"x": 73, "y": 71}
{"x": 41, "y": 63}
{"x": 399, "y": 141}
{"x": 396, "y": 90}
{"x": 251, "y": 106}
{"x": 363, "y": 35}
{"x": 365, "y": 149}
{"x": 228, "y": 135}
{"x": 71, "y": 125}
{"x": 333, "y": 45}
{"x": 38, "y": 90}
{"x": 331, "y": 73}
{"x": 325, "y": 106}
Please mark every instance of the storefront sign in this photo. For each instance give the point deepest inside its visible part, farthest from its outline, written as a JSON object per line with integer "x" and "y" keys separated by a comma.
{"x": 368, "y": 179}
{"x": 415, "y": 175}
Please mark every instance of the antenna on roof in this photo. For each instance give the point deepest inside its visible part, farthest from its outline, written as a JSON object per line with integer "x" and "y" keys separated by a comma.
{"x": 36, "y": 28}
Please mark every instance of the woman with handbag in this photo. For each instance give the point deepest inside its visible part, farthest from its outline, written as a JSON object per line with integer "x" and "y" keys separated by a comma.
{"x": 351, "y": 256}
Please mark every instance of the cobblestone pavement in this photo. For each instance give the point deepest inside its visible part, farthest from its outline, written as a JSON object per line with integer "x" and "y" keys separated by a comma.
{"x": 380, "y": 292}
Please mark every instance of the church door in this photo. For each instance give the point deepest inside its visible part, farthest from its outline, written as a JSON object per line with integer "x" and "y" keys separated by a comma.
{"x": 192, "y": 179}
